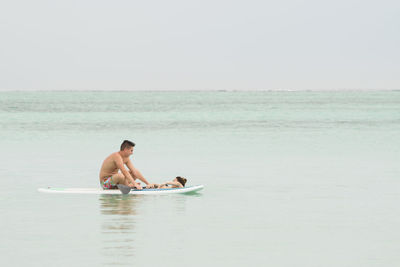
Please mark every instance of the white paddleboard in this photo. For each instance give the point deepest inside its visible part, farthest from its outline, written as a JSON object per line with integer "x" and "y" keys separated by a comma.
{"x": 100, "y": 191}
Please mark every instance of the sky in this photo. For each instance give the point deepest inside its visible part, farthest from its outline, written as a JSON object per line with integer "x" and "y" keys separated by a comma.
{"x": 199, "y": 45}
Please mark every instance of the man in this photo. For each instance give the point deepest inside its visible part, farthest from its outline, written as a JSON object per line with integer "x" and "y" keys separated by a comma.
{"x": 109, "y": 172}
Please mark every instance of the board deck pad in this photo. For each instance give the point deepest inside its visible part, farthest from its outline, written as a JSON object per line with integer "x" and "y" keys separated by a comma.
{"x": 100, "y": 191}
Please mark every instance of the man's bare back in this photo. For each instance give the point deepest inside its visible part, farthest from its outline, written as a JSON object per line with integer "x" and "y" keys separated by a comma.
{"x": 109, "y": 167}
{"x": 113, "y": 170}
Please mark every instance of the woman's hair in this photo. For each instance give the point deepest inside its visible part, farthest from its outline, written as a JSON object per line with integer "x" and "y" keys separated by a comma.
{"x": 181, "y": 180}
{"x": 127, "y": 144}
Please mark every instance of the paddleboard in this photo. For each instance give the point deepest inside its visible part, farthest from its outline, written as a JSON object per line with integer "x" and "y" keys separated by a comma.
{"x": 100, "y": 191}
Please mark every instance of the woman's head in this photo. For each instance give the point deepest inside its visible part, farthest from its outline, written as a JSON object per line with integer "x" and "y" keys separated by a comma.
{"x": 181, "y": 180}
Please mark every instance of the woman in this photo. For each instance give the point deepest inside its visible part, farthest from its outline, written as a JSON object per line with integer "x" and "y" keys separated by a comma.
{"x": 178, "y": 182}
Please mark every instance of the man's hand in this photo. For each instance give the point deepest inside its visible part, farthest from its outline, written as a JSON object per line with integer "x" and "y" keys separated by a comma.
{"x": 134, "y": 184}
{"x": 138, "y": 186}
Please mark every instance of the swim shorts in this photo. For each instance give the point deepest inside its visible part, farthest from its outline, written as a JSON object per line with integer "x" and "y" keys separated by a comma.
{"x": 108, "y": 183}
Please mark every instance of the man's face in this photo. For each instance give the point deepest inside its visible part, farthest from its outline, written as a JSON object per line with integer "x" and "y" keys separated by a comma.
{"x": 128, "y": 151}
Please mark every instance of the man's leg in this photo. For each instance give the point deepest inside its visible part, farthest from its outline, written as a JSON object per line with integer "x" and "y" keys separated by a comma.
{"x": 119, "y": 178}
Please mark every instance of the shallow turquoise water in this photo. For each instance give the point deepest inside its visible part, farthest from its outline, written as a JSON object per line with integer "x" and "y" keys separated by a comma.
{"x": 291, "y": 178}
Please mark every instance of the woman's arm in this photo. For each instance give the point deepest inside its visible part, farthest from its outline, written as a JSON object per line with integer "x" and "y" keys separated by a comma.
{"x": 175, "y": 184}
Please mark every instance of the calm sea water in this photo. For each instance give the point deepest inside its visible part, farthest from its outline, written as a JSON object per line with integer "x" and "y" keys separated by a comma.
{"x": 291, "y": 178}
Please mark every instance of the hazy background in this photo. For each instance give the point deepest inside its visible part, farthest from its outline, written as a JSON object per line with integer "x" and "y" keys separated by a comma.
{"x": 199, "y": 45}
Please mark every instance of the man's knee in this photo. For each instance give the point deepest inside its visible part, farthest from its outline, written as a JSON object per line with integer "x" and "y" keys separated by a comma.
{"x": 118, "y": 178}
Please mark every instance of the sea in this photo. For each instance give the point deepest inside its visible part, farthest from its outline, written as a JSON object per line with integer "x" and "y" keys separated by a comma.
{"x": 291, "y": 178}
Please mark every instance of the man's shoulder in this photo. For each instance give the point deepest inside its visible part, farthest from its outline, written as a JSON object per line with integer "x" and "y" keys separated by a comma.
{"x": 114, "y": 156}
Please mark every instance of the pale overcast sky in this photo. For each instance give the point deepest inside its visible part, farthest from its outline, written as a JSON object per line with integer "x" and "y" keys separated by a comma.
{"x": 199, "y": 45}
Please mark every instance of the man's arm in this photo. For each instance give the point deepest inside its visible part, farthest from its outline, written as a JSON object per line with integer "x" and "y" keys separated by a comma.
{"x": 136, "y": 172}
{"x": 120, "y": 165}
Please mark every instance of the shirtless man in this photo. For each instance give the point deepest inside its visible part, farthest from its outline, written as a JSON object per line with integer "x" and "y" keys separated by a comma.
{"x": 109, "y": 172}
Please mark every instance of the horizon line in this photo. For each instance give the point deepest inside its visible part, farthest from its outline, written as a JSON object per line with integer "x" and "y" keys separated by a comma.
{"x": 199, "y": 90}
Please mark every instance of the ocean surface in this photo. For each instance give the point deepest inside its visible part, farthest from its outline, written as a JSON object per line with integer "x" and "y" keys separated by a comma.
{"x": 291, "y": 178}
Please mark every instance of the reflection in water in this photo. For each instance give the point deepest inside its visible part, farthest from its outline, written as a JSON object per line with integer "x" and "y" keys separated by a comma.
{"x": 128, "y": 221}
{"x": 118, "y": 227}
{"x": 193, "y": 193}
{"x": 118, "y": 204}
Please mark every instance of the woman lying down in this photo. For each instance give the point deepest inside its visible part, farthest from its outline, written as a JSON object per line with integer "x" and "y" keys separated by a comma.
{"x": 178, "y": 182}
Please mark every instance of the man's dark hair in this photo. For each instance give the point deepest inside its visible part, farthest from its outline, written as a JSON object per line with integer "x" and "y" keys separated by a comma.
{"x": 127, "y": 144}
